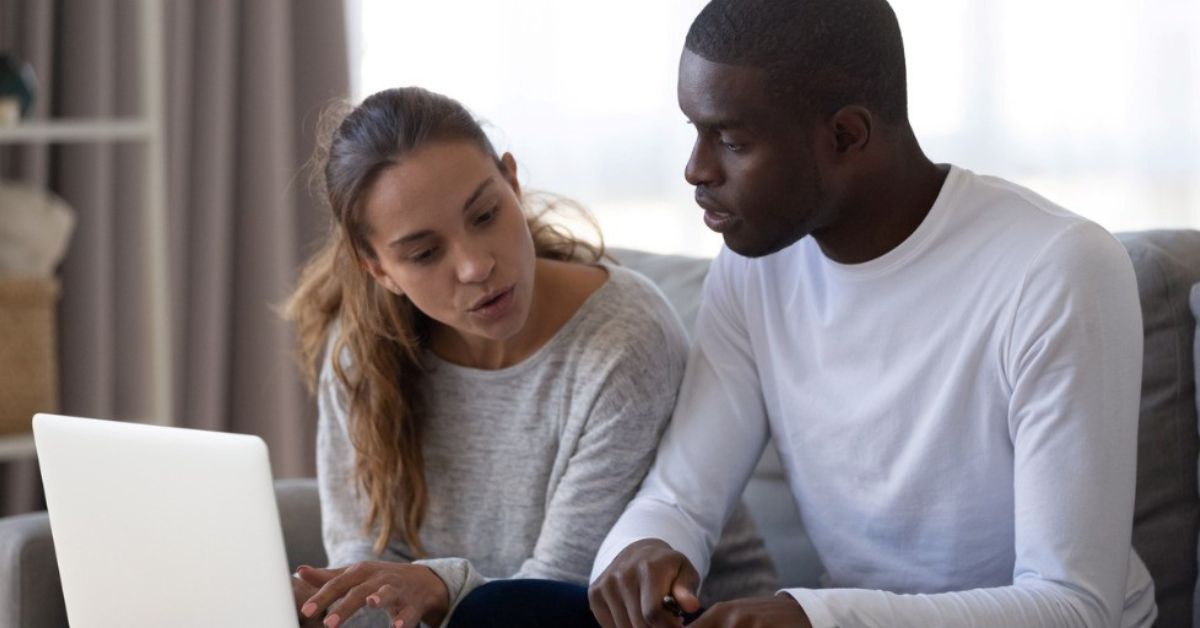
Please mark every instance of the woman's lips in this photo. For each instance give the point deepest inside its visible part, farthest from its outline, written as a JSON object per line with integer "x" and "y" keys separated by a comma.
{"x": 496, "y": 308}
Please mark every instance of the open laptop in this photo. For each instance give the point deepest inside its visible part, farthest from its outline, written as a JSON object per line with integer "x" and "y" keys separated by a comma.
{"x": 159, "y": 526}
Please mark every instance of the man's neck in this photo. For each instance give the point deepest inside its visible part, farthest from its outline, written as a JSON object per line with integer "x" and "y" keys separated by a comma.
{"x": 886, "y": 209}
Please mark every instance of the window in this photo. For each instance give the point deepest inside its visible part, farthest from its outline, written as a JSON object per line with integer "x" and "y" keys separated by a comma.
{"x": 1091, "y": 104}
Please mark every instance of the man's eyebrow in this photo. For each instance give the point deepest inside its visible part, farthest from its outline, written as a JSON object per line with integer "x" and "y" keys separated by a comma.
{"x": 417, "y": 235}
{"x": 719, "y": 125}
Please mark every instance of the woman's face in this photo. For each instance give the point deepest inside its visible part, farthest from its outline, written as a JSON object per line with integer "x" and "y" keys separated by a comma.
{"x": 448, "y": 232}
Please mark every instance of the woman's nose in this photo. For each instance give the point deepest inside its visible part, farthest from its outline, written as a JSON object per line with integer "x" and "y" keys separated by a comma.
{"x": 475, "y": 266}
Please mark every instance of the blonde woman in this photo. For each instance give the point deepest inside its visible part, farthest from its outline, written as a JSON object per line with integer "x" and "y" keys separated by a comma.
{"x": 498, "y": 390}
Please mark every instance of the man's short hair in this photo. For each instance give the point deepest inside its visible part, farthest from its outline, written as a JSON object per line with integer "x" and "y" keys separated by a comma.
{"x": 823, "y": 54}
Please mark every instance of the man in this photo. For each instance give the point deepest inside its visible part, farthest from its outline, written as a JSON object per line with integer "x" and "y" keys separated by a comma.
{"x": 949, "y": 365}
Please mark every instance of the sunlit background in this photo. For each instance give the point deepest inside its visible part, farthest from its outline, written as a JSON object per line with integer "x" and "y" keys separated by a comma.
{"x": 1092, "y": 104}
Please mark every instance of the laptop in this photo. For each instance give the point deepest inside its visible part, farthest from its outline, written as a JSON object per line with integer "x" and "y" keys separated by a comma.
{"x": 161, "y": 526}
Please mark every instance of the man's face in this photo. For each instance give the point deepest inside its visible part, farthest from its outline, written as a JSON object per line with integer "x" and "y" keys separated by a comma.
{"x": 753, "y": 163}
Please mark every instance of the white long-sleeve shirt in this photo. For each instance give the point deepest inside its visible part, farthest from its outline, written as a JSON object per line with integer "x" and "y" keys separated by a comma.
{"x": 957, "y": 419}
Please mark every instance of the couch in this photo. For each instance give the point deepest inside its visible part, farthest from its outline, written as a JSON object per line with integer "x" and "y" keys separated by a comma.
{"x": 1167, "y": 511}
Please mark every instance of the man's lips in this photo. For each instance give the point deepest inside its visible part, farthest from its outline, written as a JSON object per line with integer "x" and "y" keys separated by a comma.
{"x": 709, "y": 206}
{"x": 716, "y": 217}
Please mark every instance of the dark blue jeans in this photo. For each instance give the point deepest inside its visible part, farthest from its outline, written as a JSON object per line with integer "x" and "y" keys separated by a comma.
{"x": 527, "y": 604}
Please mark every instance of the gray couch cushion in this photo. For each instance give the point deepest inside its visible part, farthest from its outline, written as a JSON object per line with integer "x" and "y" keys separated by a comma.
{"x": 1196, "y": 369}
{"x": 300, "y": 516}
{"x": 1167, "y": 510}
{"x": 679, "y": 277}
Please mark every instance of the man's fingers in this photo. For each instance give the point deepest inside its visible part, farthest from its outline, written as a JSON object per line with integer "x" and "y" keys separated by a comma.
{"x": 651, "y": 605}
{"x": 631, "y": 600}
{"x": 685, "y": 596}
{"x": 599, "y": 606}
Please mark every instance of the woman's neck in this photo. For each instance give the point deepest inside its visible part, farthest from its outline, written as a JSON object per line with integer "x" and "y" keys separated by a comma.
{"x": 559, "y": 289}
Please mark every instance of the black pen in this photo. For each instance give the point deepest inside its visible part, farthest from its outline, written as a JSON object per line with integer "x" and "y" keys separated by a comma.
{"x": 671, "y": 604}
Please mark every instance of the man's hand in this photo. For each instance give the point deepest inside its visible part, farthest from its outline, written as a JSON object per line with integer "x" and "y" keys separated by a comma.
{"x": 409, "y": 593}
{"x": 756, "y": 612}
{"x": 629, "y": 594}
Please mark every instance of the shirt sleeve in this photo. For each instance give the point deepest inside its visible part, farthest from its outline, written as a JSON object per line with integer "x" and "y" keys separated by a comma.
{"x": 343, "y": 509}
{"x": 715, "y": 437}
{"x": 1073, "y": 366}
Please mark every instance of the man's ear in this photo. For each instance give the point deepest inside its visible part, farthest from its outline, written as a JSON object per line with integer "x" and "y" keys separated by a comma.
{"x": 508, "y": 168}
{"x": 853, "y": 127}
{"x": 372, "y": 266}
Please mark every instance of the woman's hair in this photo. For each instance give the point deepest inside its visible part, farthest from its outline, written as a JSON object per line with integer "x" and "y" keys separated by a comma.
{"x": 379, "y": 336}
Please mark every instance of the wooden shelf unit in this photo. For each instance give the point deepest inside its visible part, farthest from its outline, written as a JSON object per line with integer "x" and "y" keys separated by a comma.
{"x": 147, "y": 129}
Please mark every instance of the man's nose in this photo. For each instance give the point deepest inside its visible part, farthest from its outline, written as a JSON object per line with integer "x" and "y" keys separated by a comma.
{"x": 702, "y": 167}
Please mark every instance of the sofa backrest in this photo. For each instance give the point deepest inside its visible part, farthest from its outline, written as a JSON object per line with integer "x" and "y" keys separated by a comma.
{"x": 1196, "y": 368}
{"x": 1167, "y": 508}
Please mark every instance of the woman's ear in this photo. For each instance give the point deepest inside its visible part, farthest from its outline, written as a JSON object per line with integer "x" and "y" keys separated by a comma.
{"x": 373, "y": 267}
{"x": 508, "y": 168}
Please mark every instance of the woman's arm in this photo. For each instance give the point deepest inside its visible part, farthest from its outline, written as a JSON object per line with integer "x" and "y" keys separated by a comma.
{"x": 343, "y": 509}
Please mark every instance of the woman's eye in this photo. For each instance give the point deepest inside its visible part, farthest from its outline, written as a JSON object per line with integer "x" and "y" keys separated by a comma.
{"x": 423, "y": 256}
{"x": 486, "y": 217}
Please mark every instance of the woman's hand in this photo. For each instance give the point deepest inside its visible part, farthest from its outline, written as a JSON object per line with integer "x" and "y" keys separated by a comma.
{"x": 301, "y": 591}
{"x": 408, "y": 593}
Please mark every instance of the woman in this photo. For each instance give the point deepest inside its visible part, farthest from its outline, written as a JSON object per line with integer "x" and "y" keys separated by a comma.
{"x": 498, "y": 392}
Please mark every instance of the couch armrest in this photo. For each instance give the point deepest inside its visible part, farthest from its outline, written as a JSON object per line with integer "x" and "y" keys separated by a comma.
{"x": 30, "y": 593}
{"x": 30, "y": 590}
{"x": 300, "y": 515}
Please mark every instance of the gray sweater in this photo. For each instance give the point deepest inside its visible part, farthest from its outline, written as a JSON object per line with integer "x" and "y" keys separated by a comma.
{"x": 529, "y": 466}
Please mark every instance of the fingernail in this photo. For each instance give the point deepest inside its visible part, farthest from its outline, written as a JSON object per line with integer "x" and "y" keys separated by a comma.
{"x": 332, "y": 621}
{"x": 308, "y": 609}
{"x": 399, "y": 624}
{"x": 373, "y": 600}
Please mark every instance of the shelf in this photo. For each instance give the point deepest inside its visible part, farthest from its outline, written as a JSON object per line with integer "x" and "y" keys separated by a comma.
{"x": 76, "y": 130}
{"x": 16, "y": 447}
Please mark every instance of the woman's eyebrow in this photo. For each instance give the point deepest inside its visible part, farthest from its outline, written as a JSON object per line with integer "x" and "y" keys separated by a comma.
{"x": 478, "y": 191}
{"x": 417, "y": 235}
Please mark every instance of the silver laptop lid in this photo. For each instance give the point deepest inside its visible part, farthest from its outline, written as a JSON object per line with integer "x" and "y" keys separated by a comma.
{"x": 157, "y": 526}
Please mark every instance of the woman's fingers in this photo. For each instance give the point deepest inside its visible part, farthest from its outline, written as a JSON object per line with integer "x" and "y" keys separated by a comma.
{"x": 336, "y": 588}
{"x": 405, "y": 617}
{"x": 351, "y": 602}
{"x": 385, "y": 597}
{"x": 399, "y": 609}
{"x": 317, "y": 576}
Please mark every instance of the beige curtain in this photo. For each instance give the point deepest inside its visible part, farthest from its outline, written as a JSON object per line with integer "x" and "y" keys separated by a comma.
{"x": 245, "y": 82}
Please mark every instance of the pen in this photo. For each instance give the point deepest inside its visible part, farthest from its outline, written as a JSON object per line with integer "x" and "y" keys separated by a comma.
{"x": 671, "y": 604}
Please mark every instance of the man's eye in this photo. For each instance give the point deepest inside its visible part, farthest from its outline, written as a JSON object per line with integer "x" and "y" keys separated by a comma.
{"x": 732, "y": 147}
